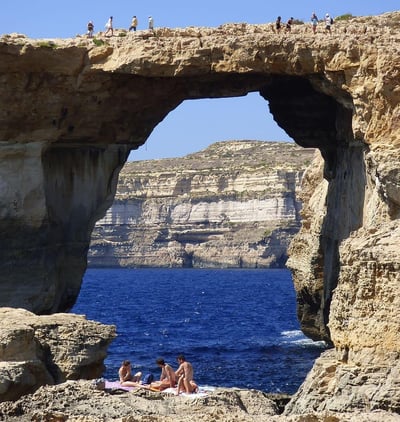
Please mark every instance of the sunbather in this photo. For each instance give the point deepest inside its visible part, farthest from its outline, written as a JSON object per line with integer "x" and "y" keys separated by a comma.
{"x": 125, "y": 375}
{"x": 185, "y": 377}
{"x": 167, "y": 378}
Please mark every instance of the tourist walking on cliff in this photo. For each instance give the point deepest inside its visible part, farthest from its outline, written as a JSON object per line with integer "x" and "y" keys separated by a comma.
{"x": 90, "y": 29}
{"x": 314, "y": 22}
{"x": 109, "y": 27}
{"x": 278, "y": 24}
{"x": 328, "y": 23}
{"x": 289, "y": 25}
{"x": 151, "y": 23}
{"x": 134, "y": 24}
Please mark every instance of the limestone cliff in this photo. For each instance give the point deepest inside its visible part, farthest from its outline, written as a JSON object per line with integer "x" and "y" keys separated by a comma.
{"x": 232, "y": 205}
{"x": 71, "y": 110}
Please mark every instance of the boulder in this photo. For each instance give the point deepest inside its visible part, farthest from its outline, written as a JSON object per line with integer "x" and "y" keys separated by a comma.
{"x": 39, "y": 350}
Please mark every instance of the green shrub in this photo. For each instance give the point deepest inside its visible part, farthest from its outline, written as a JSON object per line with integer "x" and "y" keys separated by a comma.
{"x": 344, "y": 17}
{"x": 47, "y": 44}
{"x": 97, "y": 42}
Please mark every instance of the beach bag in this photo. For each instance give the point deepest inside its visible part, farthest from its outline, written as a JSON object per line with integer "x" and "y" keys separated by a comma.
{"x": 148, "y": 379}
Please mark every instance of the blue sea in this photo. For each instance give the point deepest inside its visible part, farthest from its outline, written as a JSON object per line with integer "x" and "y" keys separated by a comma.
{"x": 237, "y": 327}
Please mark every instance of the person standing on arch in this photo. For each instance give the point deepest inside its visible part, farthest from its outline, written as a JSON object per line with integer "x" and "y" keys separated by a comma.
{"x": 289, "y": 25}
{"x": 134, "y": 24}
{"x": 109, "y": 27}
{"x": 151, "y": 23}
{"x": 328, "y": 23}
{"x": 90, "y": 29}
{"x": 314, "y": 22}
{"x": 278, "y": 24}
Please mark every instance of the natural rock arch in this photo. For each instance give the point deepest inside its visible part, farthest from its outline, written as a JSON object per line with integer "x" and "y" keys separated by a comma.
{"x": 315, "y": 119}
{"x": 82, "y": 108}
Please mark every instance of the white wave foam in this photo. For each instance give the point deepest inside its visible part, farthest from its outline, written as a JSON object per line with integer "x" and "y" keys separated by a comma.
{"x": 297, "y": 337}
{"x": 292, "y": 333}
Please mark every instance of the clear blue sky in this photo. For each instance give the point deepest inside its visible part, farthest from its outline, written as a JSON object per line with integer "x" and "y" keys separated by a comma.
{"x": 194, "y": 124}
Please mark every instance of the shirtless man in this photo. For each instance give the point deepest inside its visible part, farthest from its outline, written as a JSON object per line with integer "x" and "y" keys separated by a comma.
{"x": 125, "y": 375}
{"x": 185, "y": 376}
{"x": 167, "y": 378}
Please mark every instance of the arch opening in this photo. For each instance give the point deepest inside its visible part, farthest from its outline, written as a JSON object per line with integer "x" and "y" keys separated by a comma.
{"x": 128, "y": 123}
{"x": 196, "y": 124}
{"x": 314, "y": 119}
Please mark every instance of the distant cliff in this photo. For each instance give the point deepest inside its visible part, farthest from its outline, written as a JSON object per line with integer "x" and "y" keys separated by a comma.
{"x": 232, "y": 205}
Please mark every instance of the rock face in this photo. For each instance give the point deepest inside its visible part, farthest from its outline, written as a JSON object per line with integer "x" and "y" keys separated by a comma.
{"x": 78, "y": 401}
{"x": 341, "y": 387}
{"x": 232, "y": 205}
{"x": 361, "y": 372}
{"x": 85, "y": 403}
{"x": 38, "y": 350}
{"x": 71, "y": 110}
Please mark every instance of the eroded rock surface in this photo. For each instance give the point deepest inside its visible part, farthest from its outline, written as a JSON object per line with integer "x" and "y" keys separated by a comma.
{"x": 50, "y": 349}
{"x": 78, "y": 401}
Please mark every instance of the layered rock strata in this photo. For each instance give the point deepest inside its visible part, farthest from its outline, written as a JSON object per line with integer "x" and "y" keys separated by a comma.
{"x": 38, "y": 350}
{"x": 72, "y": 109}
{"x": 232, "y": 205}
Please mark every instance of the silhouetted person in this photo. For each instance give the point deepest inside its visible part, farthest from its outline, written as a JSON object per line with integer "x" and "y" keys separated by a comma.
{"x": 289, "y": 25}
{"x": 278, "y": 24}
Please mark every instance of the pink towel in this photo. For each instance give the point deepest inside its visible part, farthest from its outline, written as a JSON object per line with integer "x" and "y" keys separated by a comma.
{"x": 116, "y": 384}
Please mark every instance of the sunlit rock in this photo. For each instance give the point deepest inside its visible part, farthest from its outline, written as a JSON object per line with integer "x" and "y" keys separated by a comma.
{"x": 38, "y": 350}
{"x": 70, "y": 114}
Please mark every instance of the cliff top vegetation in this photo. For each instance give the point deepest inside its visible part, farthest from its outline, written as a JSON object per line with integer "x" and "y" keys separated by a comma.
{"x": 232, "y": 154}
